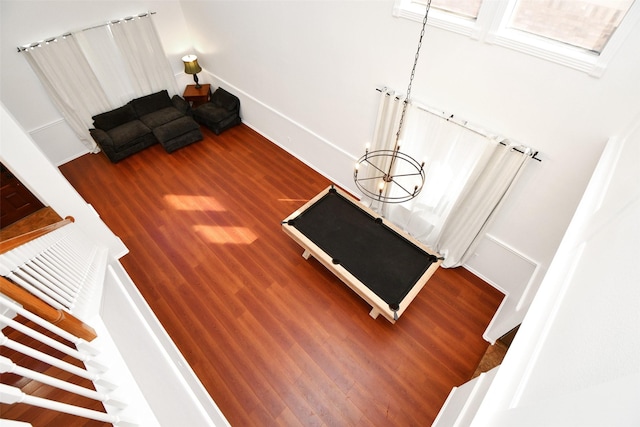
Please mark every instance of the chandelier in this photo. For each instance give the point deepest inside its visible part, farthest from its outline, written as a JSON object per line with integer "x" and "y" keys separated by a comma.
{"x": 393, "y": 167}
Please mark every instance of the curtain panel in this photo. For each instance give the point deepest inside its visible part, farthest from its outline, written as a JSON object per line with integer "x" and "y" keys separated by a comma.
{"x": 71, "y": 83}
{"x": 453, "y": 156}
{"x": 108, "y": 64}
{"x": 140, "y": 46}
{"x": 384, "y": 138}
{"x": 478, "y": 204}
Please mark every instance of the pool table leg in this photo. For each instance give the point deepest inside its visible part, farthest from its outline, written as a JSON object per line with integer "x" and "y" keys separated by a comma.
{"x": 306, "y": 254}
{"x": 374, "y": 313}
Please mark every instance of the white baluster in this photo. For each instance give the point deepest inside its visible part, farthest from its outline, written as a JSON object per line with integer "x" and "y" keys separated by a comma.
{"x": 11, "y": 395}
{"x": 43, "y": 357}
{"x": 7, "y": 366}
{"x": 82, "y": 345}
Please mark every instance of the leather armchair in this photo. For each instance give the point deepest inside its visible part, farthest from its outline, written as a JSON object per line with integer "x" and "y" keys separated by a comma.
{"x": 220, "y": 113}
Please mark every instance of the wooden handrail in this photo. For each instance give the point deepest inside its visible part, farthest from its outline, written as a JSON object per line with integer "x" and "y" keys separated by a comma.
{"x": 14, "y": 242}
{"x": 60, "y": 318}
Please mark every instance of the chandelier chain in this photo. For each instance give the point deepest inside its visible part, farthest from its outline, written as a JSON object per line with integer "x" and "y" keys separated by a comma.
{"x": 381, "y": 164}
{"x": 413, "y": 71}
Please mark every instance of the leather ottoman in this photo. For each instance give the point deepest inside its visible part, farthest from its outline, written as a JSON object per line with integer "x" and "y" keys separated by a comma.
{"x": 178, "y": 133}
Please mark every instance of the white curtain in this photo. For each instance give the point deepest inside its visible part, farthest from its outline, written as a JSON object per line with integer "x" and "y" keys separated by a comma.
{"x": 453, "y": 156}
{"x": 384, "y": 137}
{"x": 478, "y": 204}
{"x": 142, "y": 50}
{"x": 468, "y": 174}
{"x": 108, "y": 64}
{"x": 71, "y": 84}
{"x": 389, "y": 112}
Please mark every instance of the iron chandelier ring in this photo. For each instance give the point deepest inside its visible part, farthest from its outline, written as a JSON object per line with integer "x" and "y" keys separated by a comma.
{"x": 403, "y": 162}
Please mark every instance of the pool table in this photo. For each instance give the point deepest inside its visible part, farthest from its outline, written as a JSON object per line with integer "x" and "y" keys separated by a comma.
{"x": 381, "y": 263}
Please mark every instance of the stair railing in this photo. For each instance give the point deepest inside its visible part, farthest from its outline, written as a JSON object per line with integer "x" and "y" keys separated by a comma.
{"x": 49, "y": 275}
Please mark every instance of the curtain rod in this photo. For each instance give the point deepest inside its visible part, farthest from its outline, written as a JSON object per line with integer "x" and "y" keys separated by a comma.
{"x": 462, "y": 123}
{"x": 52, "y": 39}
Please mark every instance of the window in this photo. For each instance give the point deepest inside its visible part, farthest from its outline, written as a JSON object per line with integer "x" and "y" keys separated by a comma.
{"x": 584, "y": 24}
{"x": 582, "y": 34}
{"x": 460, "y": 17}
{"x": 465, "y": 8}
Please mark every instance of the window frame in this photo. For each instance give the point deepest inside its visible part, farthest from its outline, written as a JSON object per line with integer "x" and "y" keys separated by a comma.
{"x": 491, "y": 27}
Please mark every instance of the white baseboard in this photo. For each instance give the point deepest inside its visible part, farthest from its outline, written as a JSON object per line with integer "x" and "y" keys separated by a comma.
{"x": 58, "y": 142}
{"x": 511, "y": 271}
{"x": 312, "y": 149}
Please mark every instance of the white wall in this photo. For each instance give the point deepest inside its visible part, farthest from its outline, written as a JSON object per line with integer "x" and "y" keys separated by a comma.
{"x": 28, "y": 163}
{"x": 574, "y": 361}
{"x": 24, "y": 22}
{"x": 306, "y": 73}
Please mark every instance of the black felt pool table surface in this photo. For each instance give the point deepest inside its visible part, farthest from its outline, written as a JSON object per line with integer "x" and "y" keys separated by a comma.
{"x": 383, "y": 260}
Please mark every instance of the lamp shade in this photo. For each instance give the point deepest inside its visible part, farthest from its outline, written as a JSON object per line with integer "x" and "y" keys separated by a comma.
{"x": 191, "y": 65}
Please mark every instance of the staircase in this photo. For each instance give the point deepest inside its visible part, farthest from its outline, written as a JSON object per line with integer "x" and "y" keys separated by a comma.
{"x": 77, "y": 338}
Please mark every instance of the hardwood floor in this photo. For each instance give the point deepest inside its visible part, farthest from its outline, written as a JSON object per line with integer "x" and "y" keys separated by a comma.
{"x": 276, "y": 339}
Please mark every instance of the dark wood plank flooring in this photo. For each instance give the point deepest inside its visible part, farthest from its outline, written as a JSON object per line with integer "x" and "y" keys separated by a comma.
{"x": 276, "y": 339}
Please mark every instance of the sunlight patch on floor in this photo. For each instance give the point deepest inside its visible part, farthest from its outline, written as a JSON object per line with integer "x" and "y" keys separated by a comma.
{"x": 221, "y": 235}
{"x": 194, "y": 203}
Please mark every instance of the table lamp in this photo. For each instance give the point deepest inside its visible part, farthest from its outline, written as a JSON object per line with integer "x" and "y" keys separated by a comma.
{"x": 191, "y": 66}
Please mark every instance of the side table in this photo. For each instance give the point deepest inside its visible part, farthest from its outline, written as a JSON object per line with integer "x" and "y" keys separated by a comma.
{"x": 197, "y": 96}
